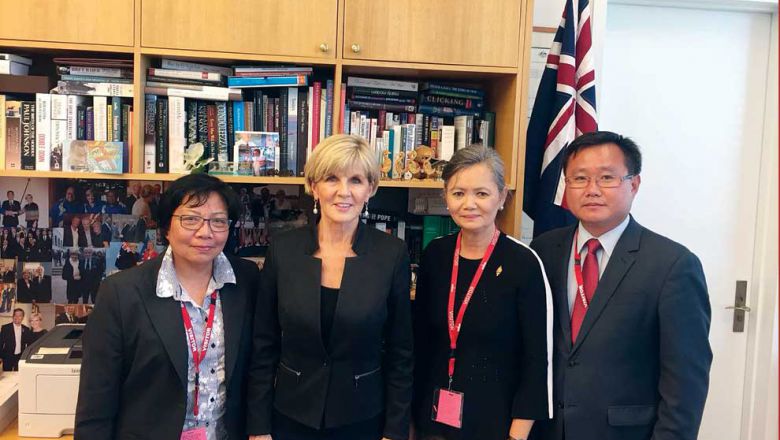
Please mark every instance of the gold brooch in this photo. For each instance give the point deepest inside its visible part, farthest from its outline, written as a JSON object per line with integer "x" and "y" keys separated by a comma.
{"x": 499, "y": 270}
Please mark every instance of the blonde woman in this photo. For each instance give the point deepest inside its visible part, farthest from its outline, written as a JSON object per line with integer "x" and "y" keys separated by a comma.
{"x": 333, "y": 340}
{"x": 36, "y": 327}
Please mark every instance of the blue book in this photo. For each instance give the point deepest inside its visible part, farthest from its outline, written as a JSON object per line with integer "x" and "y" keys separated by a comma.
{"x": 268, "y": 81}
{"x": 238, "y": 116}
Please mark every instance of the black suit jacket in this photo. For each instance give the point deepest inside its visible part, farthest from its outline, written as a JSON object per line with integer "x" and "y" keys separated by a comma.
{"x": 639, "y": 368}
{"x": 8, "y": 340}
{"x": 368, "y": 368}
{"x": 134, "y": 371}
{"x": 24, "y": 294}
{"x": 80, "y": 240}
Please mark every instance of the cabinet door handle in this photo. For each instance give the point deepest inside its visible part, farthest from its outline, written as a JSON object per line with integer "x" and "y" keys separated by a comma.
{"x": 356, "y": 48}
{"x": 324, "y": 47}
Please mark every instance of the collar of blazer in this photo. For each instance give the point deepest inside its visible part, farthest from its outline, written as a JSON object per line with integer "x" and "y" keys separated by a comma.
{"x": 620, "y": 262}
{"x": 360, "y": 245}
{"x": 165, "y": 315}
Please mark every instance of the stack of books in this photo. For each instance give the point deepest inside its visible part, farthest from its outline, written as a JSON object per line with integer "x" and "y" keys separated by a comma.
{"x": 11, "y": 64}
{"x": 190, "y": 80}
{"x": 94, "y": 77}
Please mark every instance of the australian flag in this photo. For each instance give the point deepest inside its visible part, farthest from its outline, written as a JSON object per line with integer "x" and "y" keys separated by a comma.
{"x": 565, "y": 107}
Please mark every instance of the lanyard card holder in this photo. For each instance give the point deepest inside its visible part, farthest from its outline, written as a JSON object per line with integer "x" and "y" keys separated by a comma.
{"x": 447, "y": 407}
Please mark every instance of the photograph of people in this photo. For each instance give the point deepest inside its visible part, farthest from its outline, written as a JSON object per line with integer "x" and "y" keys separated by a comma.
{"x": 41, "y": 283}
{"x": 7, "y": 270}
{"x": 11, "y": 210}
{"x": 66, "y": 205}
{"x": 73, "y": 232}
{"x": 68, "y": 315}
{"x": 93, "y": 204}
{"x": 482, "y": 306}
{"x": 73, "y": 274}
{"x": 138, "y": 376}
{"x": 7, "y": 298}
{"x": 36, "y": 329}
{"x": 333, "y": 340}
{"x": 12, "y": 338}
{"x": 25, "y": 289}
{"x": 31, "y": 212}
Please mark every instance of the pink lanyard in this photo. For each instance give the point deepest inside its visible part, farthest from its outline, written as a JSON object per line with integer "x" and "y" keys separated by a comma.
{"x": 454, "y": 325}
{"x": 578, "y": 273}
{"x": 198, "y": 356}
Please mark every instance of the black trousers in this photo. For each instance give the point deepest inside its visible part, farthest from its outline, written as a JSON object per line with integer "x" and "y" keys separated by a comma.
{"x": 285, "y": 428}
{"x": 11, "y": 362}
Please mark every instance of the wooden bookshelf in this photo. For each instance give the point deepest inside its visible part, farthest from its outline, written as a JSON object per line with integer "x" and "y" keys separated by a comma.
{"x": 484, "y": 43}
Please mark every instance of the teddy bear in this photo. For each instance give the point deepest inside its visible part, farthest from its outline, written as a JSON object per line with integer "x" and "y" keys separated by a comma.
{"x": 422, "y": 160}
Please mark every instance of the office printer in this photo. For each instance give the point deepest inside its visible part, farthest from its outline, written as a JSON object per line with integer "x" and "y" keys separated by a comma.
{"x": 49, "y": 382}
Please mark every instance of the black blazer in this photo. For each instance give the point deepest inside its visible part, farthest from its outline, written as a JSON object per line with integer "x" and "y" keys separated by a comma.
{"x": 134, "y": 371}
{"x": 640, "y": 366}
{"x": 8, "y": 340}
{"x": 369, "y": 367}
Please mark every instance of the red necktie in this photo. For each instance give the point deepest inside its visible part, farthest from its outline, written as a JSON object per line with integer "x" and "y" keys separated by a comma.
{"x": 590, "y": 279}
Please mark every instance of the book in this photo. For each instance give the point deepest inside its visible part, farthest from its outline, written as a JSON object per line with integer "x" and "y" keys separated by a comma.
{"x": 161, "y": 139}
{"x": 2, "y": 129}
{"x": 42, "y": 131}
{"x": 99, "y": 79}
{"x": 93, "y": 157}
{"x": 195, "y": 67}
{"x": 222, "y": 132}
{"x": 208, "y": 93}
{"x": 408, "y": 86}
{"x": 211, "y": 131}
{"x": 315, "y": 114}
{"x": 15, "y": 58}
{"x": 270, "y": 70}
{"x": 74, "y": 102}
{"x": 59, "y": 130}
{"x": 100, "y": 124}
{"x": 13, "y": 134}
{"x": 292, "y": 131}
{"x": 268, "y": 81}
{"x": 375, "y": 105}
{"x": 186, "y": 74}
{"x": 116, "y": 119}
{"x": 109, "y": 122}
{"x": 256, "y": 153}
{"x": 9, "y": 67}
{"x": 454, "y": 91}
{"x": 150, "y": 116}
{"x": 176, "y": 138}
{"x": 90, "y": 71}
{"x": 438, "y": 110}
{"x": 94, "y": 89}
{"x": 446, "y": 147}
{"x": 28, "y": 135}
{"x": 303, "y": 130}
{"x": 451, "y": 101}
{"x": 192, "y": 121}
{"x": 89, "y": 122}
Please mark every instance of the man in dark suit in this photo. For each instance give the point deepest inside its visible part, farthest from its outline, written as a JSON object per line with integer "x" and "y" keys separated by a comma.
{"x": 11, "y": 337}
{"x": 41, "y": 286}
{"x": 631, "y": 356}
{"x": 73, "y": 274}
{"x": 68, "y": 316}
{"x": 94, "y": 266}
{"x": 74, "y": 235}
{"x": 11, "y": 210}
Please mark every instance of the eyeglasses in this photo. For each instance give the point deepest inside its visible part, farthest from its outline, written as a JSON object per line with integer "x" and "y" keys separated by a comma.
{"x": 603, "y": 181}
{"x": 195, "y": 222}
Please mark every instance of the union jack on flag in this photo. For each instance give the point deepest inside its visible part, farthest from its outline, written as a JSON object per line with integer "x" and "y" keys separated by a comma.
{"x": 565, "y": 108}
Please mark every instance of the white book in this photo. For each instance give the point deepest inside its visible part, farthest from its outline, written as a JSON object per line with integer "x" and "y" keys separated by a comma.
{"x": 354, "y": 120}
{"x": 42, "y": 131}
{"x": 447, "y": 142}
{"x": 72, "y": 114}
{"x": 59, "y": 107}
{"x": 177, "y": 140}
{"x": 418, "y": 134}
{"x": 390, "y": 84}
{"x": 461, "y": 135}
{"x": 195, "y": 67}
{"x": 186, "y": 74}
{"x": 100, "y": 118}
{"x": 309, "y": 123}
{"x": 398, "y": 150}
{"x": 59, "y": 130}
{"x": 94, "y": 89}
{"x": 292, "y": 129}
{"x": 9, "y": 67}
{"x": 372, "y": 133}
{"x": 208, "y": 93}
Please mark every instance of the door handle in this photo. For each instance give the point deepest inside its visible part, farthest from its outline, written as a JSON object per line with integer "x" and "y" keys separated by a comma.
{"x": 739, "y": 307}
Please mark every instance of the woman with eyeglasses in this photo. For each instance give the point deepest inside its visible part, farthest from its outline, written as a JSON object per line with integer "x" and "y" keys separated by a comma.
{"x": 167, "y": 347}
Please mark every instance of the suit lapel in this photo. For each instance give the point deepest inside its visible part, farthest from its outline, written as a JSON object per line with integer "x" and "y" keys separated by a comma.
{"x": 561, "y": 288}
{"x": 165, "y": 315}
{"x": 619, "y": 263}
{"x": 233, "y": 316}
{"x": 311, "y": 270}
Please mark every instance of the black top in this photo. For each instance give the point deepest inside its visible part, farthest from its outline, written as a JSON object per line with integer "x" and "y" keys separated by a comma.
{"x": 328, "y": 299}
{"x": 34, "y": 336}
{"x": 501, "y": 357}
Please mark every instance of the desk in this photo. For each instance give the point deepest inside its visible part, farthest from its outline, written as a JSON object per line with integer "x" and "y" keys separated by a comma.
{"x": 9, "y": 433}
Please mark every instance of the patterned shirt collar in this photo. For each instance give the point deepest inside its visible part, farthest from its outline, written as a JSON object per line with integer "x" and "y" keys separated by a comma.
{"x": 168, "y": 285}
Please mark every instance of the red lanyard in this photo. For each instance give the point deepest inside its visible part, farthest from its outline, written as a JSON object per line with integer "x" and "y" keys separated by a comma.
{"x": 198, "y": 356}
{"x": 454, "y": 325}
{"x": 578, "y": 272}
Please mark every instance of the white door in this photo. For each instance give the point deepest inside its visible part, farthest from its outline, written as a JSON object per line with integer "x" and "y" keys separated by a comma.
{"x": 689, "y": 86}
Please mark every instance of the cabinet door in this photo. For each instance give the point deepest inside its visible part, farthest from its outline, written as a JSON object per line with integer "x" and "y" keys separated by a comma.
{"x": 304, "y": 28}
{"x": 468, "y": 32}
{"x": 68, "y": 21}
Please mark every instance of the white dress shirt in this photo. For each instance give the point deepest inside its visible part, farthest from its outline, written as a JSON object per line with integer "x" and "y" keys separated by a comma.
{"x": 18, "y": 338}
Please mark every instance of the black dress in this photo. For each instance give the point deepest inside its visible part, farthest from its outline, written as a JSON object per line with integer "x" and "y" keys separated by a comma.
{"x": 286, "y": 428}
{"x": 502, "y": 353}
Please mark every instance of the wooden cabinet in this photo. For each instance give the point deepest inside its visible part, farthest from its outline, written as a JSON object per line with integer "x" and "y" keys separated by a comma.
{"x": 304, "y": 28}
{"x": 467, "y": 32}
{"x": 105, "y": 22}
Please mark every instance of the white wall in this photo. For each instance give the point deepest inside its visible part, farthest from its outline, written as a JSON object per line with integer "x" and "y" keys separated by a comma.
{"x": 547, "y": 13}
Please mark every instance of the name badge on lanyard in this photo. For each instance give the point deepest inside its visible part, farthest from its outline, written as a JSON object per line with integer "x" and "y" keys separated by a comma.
{"x": 198, "y": 355}
{"x": 447, "y": 403}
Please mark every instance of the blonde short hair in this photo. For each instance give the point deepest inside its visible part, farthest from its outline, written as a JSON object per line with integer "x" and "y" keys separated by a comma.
{"x": 339, "y": 153}
{"x": 36, "y": 315}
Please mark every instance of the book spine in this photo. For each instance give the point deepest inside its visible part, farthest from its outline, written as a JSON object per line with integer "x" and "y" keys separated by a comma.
{"x": 192, "y": 121}
{"x": 197, "y": 67}
{"x": 161, "y": 161}
{"x": 316, "y": 101}
{"x": 269, "y": 81}
{"x": 222, "y": 132}
{"x": 105, "y": 72}
{"x": 91, "y": 79}
{"x": 258, "y": 115}
{"x": 109, "y": 122}
{"x": 347, "y": 119}
{"x": 374, "y": 105}
{"x": 177, "y": 120}
{"x": 28, "y": 135}
{"x": 13, "y": 142}
{"x": 249, "y": 116}
{"x": 94, "y": 89}
{"x": 127, "y": 166}
{"x": 238, "y": 116}
{"x": 126, "y": 126}
{"x": 89, "y": 127}
{"x": 116, "y": 118}
{"x": 328, "y": 108}
{"x": 276, "y": 122}
{"x": 211, "y": 127}
{"x": 303, "y": 132}
{"x": 150, "y": 132}
{"x": 451, "y": 101}
{"x": 309, "y": 121}
{"x": 203, "y": 128}
{"x": 342, "y": 104}
{"x": 387, "y": 99}
{"x": 59, "y": 130}
{"x": 186, "y": 74}
{"x": 72, "y": 115}
{"x": 42, "y": 131}
{"x": 418, "y": 122}
{"x": 100, "y": 114}
{"x": 231, "y": 132}
{"x": 284, "y": 151}
{"x": 2, "y": 131}
{"x": 323, "y": 113}
{"x": 454, "y": 91}
{"x": 398, "y": 159}
{"x": 292, "y": 130}
{"x": 408, "y": 86}
{"x": 382, "y": 93}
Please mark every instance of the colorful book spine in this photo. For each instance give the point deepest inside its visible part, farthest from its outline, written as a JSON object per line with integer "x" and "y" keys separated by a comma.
{"x": 292, "y": 130}
{"x": 28, "y": 135}
{"x": 150, "y": 132}
{"x": 42, "y": 131}
{"x": 81, "y": 120}
{"x": 2, "y": 130}
{"x": 222, "y": 132}
{"x": 161, "y": 160}
{"x": 303, "y": 132}
{"x": 315, "y": 114}
{"x": 109, "y": 122}
{"x": 268, "y": 81}
{"x": 231, "y": 132}
{"x": 186, "y": 74}
{"x": 238, "y": 116}
{"x": 126, "y": 126}
{"x": 453, "y": 91}
{"x": 13, "y": 134}
{"x": 116, "y": 118}
{"x": 59, "y": 130}
{"x": 284, "y": 151}
{"x": 211, "y": 126}
{"x": 94, "y": 89}
{"x": 192, "y": 121}
{"x": 342, "y": 104}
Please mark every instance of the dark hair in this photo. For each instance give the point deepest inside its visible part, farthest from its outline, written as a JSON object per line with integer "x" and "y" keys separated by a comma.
{"x": 631, "y": 153}
{"x": 195, "y": 188}
{"x": 474, "y": 155}
{"x": 17, "y": 310}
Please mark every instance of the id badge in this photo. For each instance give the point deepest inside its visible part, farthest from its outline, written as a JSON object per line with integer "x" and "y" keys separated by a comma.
{"x": 447, "y": 407}
{"x": 194, "y": 434}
